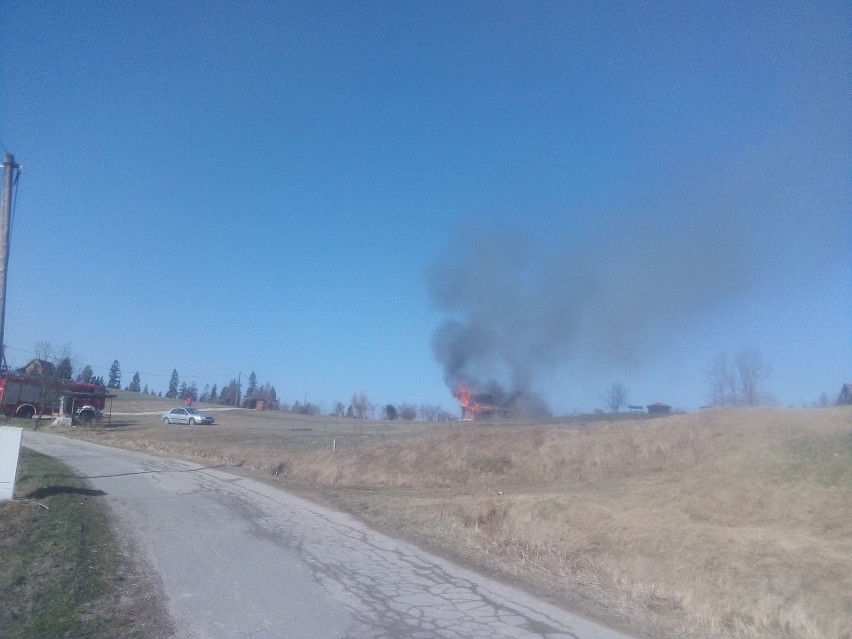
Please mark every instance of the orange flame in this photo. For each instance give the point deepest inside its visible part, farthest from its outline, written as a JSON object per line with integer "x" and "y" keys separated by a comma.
{"x": 462, "y": 393}
{"x": 468, "y": 407}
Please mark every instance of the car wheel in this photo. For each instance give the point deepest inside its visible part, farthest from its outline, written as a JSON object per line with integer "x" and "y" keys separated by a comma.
{"x": 26, "y": 412}
{"x": 166, "y": 420}
{"x": 86, "y": 417}
{"x": 192, "y": 421}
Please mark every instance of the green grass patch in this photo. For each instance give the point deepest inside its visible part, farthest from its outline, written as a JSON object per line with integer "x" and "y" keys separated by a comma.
{"x": 58, "y": 576}
{"x": 826, "y": 459}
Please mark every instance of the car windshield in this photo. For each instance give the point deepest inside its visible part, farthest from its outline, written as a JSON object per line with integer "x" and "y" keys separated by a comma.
{"x": 193, "y": 411}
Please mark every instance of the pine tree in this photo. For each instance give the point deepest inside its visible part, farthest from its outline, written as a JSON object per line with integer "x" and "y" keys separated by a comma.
{"x": 64, "y": 370}
{"x": 135, "y": 384}
{"x": 252, "y": 385}
{"x": 230, "y": 395}
{"x": 145, "y": 390}
{"x": 173, "y": 385}
{"x": 86, "y": 374}
{"x": 114, "y": 375}
{"x": 184, "y": 391}
{"x": 213, "y": 394}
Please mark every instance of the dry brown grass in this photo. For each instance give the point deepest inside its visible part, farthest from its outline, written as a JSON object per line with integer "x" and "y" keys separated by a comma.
{"x": 724, "y": 523}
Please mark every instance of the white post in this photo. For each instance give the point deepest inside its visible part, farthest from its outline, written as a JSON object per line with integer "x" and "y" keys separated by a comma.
{"x": 10, "y": 447}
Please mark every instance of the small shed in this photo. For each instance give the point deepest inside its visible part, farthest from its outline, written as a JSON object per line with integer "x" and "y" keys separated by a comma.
{"x": 658, "y": 408}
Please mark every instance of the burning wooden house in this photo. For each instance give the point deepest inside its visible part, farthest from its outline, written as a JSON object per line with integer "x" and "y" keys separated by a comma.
{"x": 475, "y": 405}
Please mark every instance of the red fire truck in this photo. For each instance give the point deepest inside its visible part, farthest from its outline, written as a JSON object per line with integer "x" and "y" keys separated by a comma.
{"x": 26, "y": 396}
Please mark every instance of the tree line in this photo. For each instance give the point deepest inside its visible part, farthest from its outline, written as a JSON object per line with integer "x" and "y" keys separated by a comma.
{"x": 738, "y": 380}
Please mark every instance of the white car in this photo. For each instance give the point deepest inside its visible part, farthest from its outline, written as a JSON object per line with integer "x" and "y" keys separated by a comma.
{"x": 191, "y": 416}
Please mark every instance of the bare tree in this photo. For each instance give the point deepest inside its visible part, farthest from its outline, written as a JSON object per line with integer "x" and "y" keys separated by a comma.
{"x": 434, "y": 413}
{"x": 361, "y": 405}
{"x": 723, "y": 383}
{"x": 54, "y": 362}
{"x": 739, "y": 382}
{"x": 407, "y": 411}
{"x": 429, "y": 412}
{"x": 753, "y": 370}
{"x": 615, "y": 396}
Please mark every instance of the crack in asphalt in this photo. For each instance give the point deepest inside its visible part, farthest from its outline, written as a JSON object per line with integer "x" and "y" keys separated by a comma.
{"x": 240, "y": 558}
{"x": 391, "y": 592}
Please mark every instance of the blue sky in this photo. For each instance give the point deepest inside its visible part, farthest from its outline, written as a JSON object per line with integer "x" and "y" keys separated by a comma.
{"x": 309, "y": 191}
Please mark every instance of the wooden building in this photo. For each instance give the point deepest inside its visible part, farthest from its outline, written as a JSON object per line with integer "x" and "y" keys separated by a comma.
{"x": 658, "y": 408}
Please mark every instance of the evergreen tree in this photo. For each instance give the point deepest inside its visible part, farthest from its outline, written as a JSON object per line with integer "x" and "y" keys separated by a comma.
{"x": 64, "y": 369}
{"x": 205, "y": 394}
{"x": 184, "y": 391}
{"x": 193, "y": 391}
{"x": 252, "y": 385}
{"x": 230, "y": 395}
{"x": 114, "y": 375}
{"x": 213, "y": 394}
{"x": 135, "y": 384}
{"x": 173, "y": 385}
{"x": 86, "y": 375}
{"x": 145, "y": 390}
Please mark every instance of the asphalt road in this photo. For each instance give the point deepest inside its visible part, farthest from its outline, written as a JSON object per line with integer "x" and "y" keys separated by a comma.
{"x": 238, "y": 558}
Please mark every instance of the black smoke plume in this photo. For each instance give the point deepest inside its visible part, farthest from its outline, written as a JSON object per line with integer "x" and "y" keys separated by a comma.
{"x": 518, "y": 307}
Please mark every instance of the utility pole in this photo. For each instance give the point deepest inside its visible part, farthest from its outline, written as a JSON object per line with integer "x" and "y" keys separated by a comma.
{"x": 9, "y": 167}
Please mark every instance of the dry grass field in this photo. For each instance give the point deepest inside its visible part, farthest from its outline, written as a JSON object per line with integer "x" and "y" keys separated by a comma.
{"x": 721, "y": 523}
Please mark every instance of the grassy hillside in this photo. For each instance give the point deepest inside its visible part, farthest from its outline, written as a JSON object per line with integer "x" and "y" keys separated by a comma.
{"x": 128, "y": 402}
{"x": 64, "y": 573}
{"x": 722, "y": 523}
